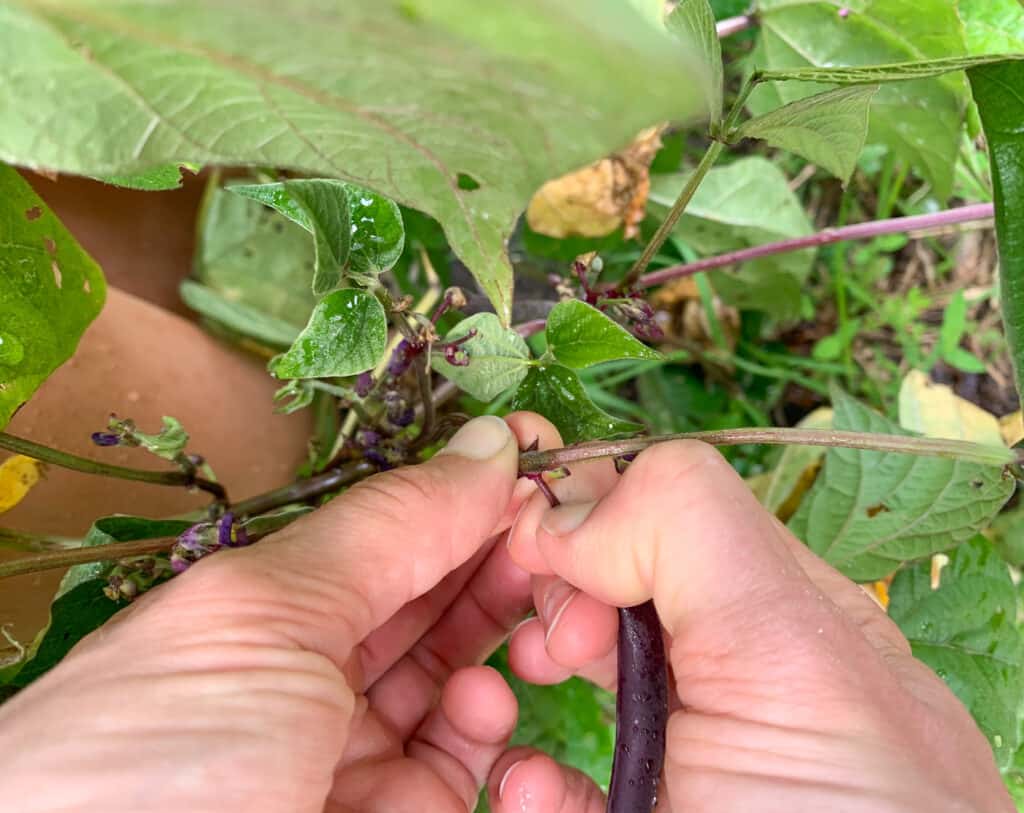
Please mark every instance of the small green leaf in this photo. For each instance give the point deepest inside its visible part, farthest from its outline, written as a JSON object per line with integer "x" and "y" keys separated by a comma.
{"x": 579, "y": 335}
{"x": 964, "y": 360}
{"x": 320, "y": 206}
{"x": 557, "y": 393}
{"x": 159, "y": 178}
{"x": 954, "y": 323}
{"x": 999, "y": 93}
{"x": 377, "y": 231}
{"x": 896, "y": 72}
{"x": 966, "y": 631}
{"x": 168, "y": 443}
{"x": 72, "y": 616}
{"x": 831, "y": 347}
{"x": 346, "y": 335}
{"x": 693, "y": 21}
{"x": 498, "y": 357}
{"x": 50, "y": 291}
{"x": 868, "y": 512}
{"x": 828, "y": 129}
{"x": 237, "y": 317}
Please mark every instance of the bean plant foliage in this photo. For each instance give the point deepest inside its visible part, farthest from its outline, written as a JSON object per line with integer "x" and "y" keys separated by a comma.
{"x": 360, "y": 232}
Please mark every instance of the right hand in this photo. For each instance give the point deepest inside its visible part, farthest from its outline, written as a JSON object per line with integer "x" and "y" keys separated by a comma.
{"x": 793, "y": 690}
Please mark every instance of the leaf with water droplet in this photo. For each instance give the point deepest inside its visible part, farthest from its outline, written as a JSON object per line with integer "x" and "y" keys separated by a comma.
{"x": 499, "y": 358}
{"x": 346, "y": 335}
{"x": 557, "y": 393}
{"x": 50, "y": 291}
{"x": 959, "y": 631}
{"x": 579, "y": 335}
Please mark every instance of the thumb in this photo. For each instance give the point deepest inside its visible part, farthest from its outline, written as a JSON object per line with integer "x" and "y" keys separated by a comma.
{"x": 331, "y": 578}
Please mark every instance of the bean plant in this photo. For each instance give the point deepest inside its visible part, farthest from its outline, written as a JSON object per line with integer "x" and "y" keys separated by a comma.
{"x": 379, "y": 146}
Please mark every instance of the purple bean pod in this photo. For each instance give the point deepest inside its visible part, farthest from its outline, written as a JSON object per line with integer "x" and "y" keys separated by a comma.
{"x": 641, "y": 712}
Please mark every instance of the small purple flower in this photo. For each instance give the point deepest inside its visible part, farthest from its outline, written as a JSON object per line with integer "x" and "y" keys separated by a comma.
{"x": 368, "y": 438}
{"x": 105, "y": 439}
{"x": 195, "y": 543}
{"x": 622, "y": 462}
{"x": 401, "y": 358}
{"x": 224, "y": 526}
{"x": 454, "y": 353}
{"x": 364, "y": 383}
{"x": 399, "y": 412}
{"x": 844, "y": 13}
{"x": 377, "y": 458}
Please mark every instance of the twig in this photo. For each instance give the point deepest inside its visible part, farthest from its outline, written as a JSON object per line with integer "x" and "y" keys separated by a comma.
{"x": 84, "y": 464}
{"x": 27, "y": 541}
{"x": 301, "y": 491}
{"x": 537, "y": 462}
{"x": 858, "y": 231}
{"x": 734, "y": 25}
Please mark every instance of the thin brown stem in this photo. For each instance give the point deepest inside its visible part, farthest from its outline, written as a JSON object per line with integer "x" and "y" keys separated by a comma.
{"x": 537, "y": 462}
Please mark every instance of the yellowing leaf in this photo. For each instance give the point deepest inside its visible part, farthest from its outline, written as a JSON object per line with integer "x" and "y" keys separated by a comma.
{"x": 880, "y": 592}
{"x": 596, "y": 200}
{"x": 936, "y": 411}
{"x": 1012, "y": 428}
{"x": 796, "y": 470}
{"x": 17, "y": 476}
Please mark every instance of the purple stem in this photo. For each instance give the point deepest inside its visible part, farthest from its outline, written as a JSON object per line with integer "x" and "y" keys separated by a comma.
{"x": 527, "y": 329}
{"x": 733, "y": 25}
{"x": 859, "y": 231}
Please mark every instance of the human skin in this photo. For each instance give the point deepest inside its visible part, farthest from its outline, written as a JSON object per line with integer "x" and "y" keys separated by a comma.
{"x": 332, "y": 667}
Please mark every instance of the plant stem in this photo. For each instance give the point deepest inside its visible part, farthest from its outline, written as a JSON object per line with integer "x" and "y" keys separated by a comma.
{"x": 859, "y": 231}
{"x": 669, "y": 223}
{"x": 301, "y": 491}
{"x": 26, "y": 541}
{"x": 84, "y": 464}
{"x": 537, "y": 462}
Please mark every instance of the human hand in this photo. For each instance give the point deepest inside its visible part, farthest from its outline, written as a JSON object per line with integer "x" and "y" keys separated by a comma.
{"x": 331, "y": 667}
{"x": 793, "y": 690}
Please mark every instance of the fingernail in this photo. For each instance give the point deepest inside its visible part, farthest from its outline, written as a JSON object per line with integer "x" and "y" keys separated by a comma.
{"x": 508, "y": 773}
{"x": 556, "y": 601}
{"x": 480, "y": 439}
{"x": 566, "y": 518}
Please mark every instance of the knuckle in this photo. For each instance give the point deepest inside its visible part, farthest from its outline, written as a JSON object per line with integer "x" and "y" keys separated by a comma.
{"x": 388, "y": 497}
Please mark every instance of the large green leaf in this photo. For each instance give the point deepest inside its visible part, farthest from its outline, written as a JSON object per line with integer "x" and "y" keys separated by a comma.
{"x": 868, "y": 512}
{"x": 346, "y": 335}
{"x": 999, "y": 94}
{"x": 254, "y": 257}
{"x": 919, "y": 121}
{"x": 966, "y": 631}
{"x": 993, "y": 26}
{"x": 579, "y": 335}
{"x": 693, "y": 21}
{"x": 236, "y": 316}
{"x": 498, "y": 357}
{"x": 721, "y": 217}
{"x": 557, "y": 393}
{"x": 827, "y": 129}
{"x": 456, "y": 107}
{"x": 50, "y": 290}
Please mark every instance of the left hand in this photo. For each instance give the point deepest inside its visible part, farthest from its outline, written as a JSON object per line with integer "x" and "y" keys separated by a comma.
{"x": 329, "y": 668}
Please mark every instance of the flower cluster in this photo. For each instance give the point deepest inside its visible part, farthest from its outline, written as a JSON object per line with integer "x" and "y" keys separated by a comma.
{"x": 205, "y": 538}
{"x": 131, "y": 577}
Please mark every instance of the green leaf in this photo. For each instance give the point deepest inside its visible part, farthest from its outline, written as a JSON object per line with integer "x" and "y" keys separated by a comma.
{"x": 999, "y": 94}
{"x": 831, "y": 347}
{"x": 168, "y": 443}
{"x": 966, "y": 631}
{"x": 954, "y": 323}
{"x": 721, "y": 218}
{"x": 154, "y": 180}
{"x": 993, "y": 26}
{"x": 498, "y": 357}
{"x": 919, "y": 121}
{"x": 875, "y": 74}
{"x": 417, "y": 100}
{"x": 346, "y": 335}
{"x": 236, "y": 316}
{"x": 320, "y": 206}
{"x": 693, "y": 21}
{"x": 868, "y": 512}
{"x": 557, "y": 393}
{"x": 828, "y": 129}
{"x": 72, "y": 616}
{"x": 579, "y": 335}
{"x": 50, "y": 291}
{"x": 964, "y": 360}
{"x": 238, "y": 235}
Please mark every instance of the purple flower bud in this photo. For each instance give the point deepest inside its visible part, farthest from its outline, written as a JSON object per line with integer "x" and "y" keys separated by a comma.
{"x": 364, "y": 384}
{"x": 454, "y": 354}
{"x": 622, "y": 462}
{"x": 105, "y": 439}
{"x": 398, "y": 410}
{"x": 195, "y": 543}
{"x": 401, "y": 358}
{"x": 844, "y": 13}
{"x": 368, "y": 438}
{"x": 374, "y": 456}
{"x": 224, "y": 529}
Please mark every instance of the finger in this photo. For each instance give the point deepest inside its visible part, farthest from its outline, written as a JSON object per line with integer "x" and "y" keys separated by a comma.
{"x": 328, "y": 580}
{"x": 464, "y": 736}
{"x": 481, "y": 617}
{"x": 578, "y": 629}
{"x": 527, "y": 780}
{"x": 529, "y": 659}
{"x": 683, "y": 528}
{"x": 386, "y": 645}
